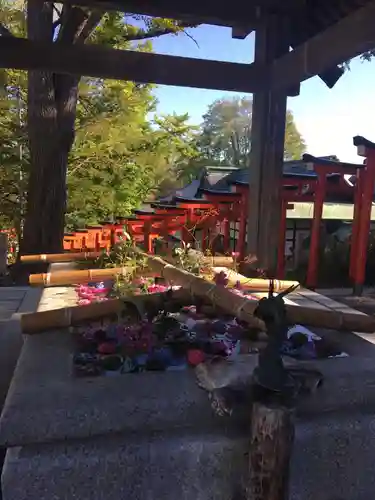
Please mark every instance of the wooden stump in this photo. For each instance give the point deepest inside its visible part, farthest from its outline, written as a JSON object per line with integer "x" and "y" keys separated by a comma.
{"x": 271, "y": 443}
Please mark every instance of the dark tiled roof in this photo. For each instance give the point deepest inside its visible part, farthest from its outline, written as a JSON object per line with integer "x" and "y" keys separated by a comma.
{"x": 216, "y": 177}
{"x": 225, "y": 176}
{"x": 220, "y": 179}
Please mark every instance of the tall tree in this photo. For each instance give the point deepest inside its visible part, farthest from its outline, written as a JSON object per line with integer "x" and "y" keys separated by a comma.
{"x": 52, "y": 104}
{"x": 176, "y": 145}
{"x": 13, "y": 134}
{"x": 294, "y": 145}
{"x": 110, "y": 170}
{"x": 226, "y": 133}
{"x": 120, "y": 156}
{"x": 123, "y": 152}
{"x": 13, "y": 155}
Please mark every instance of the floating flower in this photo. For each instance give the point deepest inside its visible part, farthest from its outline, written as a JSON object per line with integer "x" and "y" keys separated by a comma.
{"x": 84, "y": 302}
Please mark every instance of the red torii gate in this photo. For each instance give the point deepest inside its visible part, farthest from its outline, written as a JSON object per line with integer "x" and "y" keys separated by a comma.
{"x": 327, "y": 171}
{"x": 188, "y": 215}
{"x": 362, "y": 213}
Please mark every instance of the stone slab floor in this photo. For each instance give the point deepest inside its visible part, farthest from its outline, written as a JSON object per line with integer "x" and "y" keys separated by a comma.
{"x": 11, "y": 299}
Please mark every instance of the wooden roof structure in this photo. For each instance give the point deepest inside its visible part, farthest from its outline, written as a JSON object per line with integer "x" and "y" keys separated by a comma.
{"x": 323, "y": 33}
{"x": 295, "y": 40}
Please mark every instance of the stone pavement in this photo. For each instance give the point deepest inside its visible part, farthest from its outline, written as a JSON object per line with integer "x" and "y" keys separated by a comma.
{"x": 11, "y": 299}
{"x": 57, "y": 297}
{"x": 13, "y": 302}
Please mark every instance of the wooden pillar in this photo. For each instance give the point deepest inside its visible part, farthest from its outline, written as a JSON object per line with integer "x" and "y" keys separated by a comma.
{"x": 112, "y": 237}
{"x": 240, "y": 244}
{"x": 356, "y": 221}
{"x": 320, "y": 193}
{"x": 97, "y": 241}
{"x": 364, "y": 226}
{"x": 367, "y": 149}
{"x": 281, "y": 248}
{"x": 267, "y": 151}
{"x": 165, "y": 234}
{"x": 226, "y": 233}
{"x": 186, "y": 230}
{"x": 147, "y": 239}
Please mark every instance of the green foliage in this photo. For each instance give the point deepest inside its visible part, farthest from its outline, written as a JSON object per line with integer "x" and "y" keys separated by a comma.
{"x": 123, "y": 153}
{"x": 120, "y": 157}
{"x": 188, "y": 260}
{"x": 108, "y": 174}
{"x": 13, "y": 151}
{"x": 124, "y": 255}
{"x": 176, "y": 144}
{"x": 294, "y": 146}
{"x": 226, "y": 133}
{"x": 13, "y": 135}
{"x": 12, "y": 17}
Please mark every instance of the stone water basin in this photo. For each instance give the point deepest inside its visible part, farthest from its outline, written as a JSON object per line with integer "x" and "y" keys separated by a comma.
{"x": 153, "y": 435}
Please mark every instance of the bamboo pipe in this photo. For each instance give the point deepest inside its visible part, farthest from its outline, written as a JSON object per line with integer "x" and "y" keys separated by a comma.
{"x": 216, "y": 260}
{"x": 77, "y": 277}
{"x": 243, "y": 308}
{"x": 258, "y": 284}
{"x": 60, "y": 257}
{"x": 70, "y": 316}
{"x": 240, "y": 306}
{"x": 70, "y": 277}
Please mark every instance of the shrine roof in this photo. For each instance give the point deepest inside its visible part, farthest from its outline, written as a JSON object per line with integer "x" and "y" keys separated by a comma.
{"x": 221, "y": 179}
{"x": 314, "y": 14}
{"x": 144, "y": 212}
{"x": 187, "y": 192}
{"x": 306, "y": 18}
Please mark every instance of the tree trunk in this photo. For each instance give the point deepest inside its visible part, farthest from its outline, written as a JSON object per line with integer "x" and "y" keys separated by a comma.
{"x": 51, "y": 132}
{"x": 52, "y": 102}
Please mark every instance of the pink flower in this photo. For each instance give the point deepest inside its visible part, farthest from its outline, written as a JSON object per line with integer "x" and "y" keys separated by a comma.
{"x": 99, "y": 291}
{"x": 157, "y": 289}
{"x": 235, "y": 255}
{"x": 85, "y": 295}
{"x": 84, "y": 302}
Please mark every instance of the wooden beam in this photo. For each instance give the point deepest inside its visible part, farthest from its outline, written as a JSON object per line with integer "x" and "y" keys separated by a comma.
{"x": 240, "y": 33}
{"x": 207, "y": 11}
{"x": 141, "y": 67}
{"x": 346, "y": 39}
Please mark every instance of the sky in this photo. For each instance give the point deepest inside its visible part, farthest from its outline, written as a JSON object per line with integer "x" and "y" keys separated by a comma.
{"x": 327, "y": 119}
